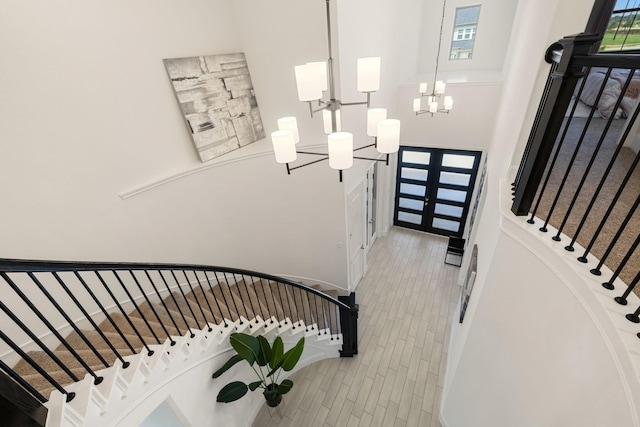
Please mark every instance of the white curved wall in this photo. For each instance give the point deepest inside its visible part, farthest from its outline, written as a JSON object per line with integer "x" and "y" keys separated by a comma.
{"x": 89, "y": 115}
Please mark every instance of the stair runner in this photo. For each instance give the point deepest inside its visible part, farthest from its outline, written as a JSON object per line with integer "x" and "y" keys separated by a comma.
{"x": 182, "y": 313}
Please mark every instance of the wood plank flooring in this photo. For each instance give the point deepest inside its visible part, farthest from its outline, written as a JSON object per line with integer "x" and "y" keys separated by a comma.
{"x": 407, "y": 301}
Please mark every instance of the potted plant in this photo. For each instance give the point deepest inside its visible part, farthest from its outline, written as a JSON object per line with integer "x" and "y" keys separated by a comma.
{"x": 270, "y": 362}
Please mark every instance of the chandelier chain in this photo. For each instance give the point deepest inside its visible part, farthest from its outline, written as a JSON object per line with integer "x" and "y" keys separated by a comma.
{"x": 444, "y": 5}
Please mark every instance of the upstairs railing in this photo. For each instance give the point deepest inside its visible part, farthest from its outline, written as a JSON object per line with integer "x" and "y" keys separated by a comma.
{"x": 577, "y": 173}
{"x": 48, "y": 307}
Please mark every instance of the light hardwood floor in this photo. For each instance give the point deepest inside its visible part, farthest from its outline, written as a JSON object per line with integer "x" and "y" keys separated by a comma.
{"x": 407, "y": 302}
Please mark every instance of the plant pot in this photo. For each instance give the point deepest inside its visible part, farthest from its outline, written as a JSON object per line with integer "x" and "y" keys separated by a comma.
{"x": 272, "y": 398}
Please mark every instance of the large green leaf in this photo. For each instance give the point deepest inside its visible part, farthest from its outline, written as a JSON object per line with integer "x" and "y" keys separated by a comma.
{"x": 264, "y": 356}
{"x": 234, "y": 359}
{"x": 276, "y": 353}
{"x": 284, "y": 387}
{"x": 275, "y": 368}
{"x": 292, "y": 356}
{"x": 246, "y": 346}
{"x": 232, "y": 392}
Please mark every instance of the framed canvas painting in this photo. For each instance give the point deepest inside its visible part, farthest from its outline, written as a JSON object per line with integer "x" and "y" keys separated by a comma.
{"x": 217, "y": 100}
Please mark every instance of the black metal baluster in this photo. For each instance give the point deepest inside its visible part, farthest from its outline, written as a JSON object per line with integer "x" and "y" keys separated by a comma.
{"x": 37, "y": 340}
{"x": 244, "y": 304}
{"x": 204, "y": 318}
{"x": 609, "y": 210}
{"x": 295, "y": 304}
{"x": 273, "y": 299}
{"x": 153, "y": 310}
{"x": 304, "y": 295}
{"x": 224, "y": 298}
{"x": 17, "y": 378}
{"x": 573, "y": 158}
{"x": 266, "y": 301}
{"x": 195, "y": 319}
{"x": 611, "y": 162}
{"x": 592, "y": 160}
{"x": 97, "y": 379}
{"x": 560, "y": 144}
{"x": 88, "y": 317}
{"x": 246, "y": 289}
{"x": 104, "y": 311}
{"x": 144, "y": 319}
{"x": 282, "y": 285}
{"x": 275, "y": 303}
{"x": 226, "y": 281}
{"x": 146, "y": 272}
{"x": 124, "y": 313}
{"x": 213, "y": 295}
{"x": 609, "y": 284}
{"x": 614, "y": 241}
{"x": 38, "y": 368}
{"x": 622, "y": 299}
{"x": 209, "y": 328}
{"x": 316, "y": 320}
{"x": 175, "y": 301}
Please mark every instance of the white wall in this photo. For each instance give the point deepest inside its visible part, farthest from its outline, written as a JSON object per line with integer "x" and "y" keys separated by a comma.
{"x": 89, "y": 114}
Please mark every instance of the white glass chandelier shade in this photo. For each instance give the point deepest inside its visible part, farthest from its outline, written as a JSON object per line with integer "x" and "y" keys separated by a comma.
{"x": 374, "y": 115}
{"x": 423, "y": 88}
{"x": 320, "y": 70}
{"x": 439, "y": 87}
{"x": 327, "y": 121}
{"x": 448, "y": 103}
{"x": 290, "y": 123}
{"x": 284, "y": 146}
{"x": 388, "y": 136}
{"x": 340, "y": 150}
{"x": 368, "y": 74}
{"x": 309, "y": 82}
{"x": 416, "y": 105}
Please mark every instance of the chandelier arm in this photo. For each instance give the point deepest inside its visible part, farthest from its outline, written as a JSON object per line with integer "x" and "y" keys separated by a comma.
{"x": 318, "y": 109}
{"x": 289, "y": 169}
{"x": 362, "y": 148}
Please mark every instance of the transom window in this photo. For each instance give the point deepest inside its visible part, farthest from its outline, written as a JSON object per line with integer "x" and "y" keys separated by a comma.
{"x": 464, "y": 32}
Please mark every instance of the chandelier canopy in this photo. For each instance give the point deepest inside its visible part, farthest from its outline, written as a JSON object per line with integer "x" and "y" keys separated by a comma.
{"x": 313, "y": 80}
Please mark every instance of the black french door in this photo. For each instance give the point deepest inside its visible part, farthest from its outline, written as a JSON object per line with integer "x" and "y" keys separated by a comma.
{"x": 434, "y": 188}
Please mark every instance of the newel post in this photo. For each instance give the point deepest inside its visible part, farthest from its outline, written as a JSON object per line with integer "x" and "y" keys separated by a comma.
{"x": 561, "y": 84}
{"x": 349, "y": 325}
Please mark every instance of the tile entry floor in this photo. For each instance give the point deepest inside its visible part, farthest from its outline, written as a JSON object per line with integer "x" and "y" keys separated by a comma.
{"x": 407, "y": 301}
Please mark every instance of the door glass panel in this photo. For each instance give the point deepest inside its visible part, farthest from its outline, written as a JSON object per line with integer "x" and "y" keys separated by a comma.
{"x": 418, "y": 157}
{"x": 409, "y": 217}
{"x": 458, "y": 161}
{"x": 452, "y": 195}
{"x": 413, "y": 189}
{"x": 415, "y": 174}
{"x": 414, "y": 204}
{"x": 445, "y": 224}
{"x": 448, "y": 210}
{"x": 455, "y": 178}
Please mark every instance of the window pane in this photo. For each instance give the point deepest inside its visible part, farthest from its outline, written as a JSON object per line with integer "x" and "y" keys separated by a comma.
{"x": 414, "y": 204}
{"x": 418, "y": 157}
{"x": 452, "y": 195}
{"x": 413, "y": 189}
{"x": 458, "y": 161}
{"x": 417, "y": 174}
{"x": 464, "y": 32}
{"x": 409, "y": 217}
{"x": 455, "y": 178}
{"x": 445, "y": 224}
{"x": 448, "y": 210}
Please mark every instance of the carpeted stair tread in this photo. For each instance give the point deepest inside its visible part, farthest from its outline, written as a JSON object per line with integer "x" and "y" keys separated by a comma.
{"x": 140, "y": 326}
{"x": 208, "y": 304}
{"x": 268, "y": 299}
{"x": 158, "y": 314}
{"x": 188, "y": 308}
{"x": 45, "y": 388}
{"x": 67, "y": 359}
{"x": 249, "y": 292}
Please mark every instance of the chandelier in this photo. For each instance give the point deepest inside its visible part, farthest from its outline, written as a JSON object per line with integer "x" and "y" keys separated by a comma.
{"x": 313, "y": 80}
{"x": 438, "y": 86}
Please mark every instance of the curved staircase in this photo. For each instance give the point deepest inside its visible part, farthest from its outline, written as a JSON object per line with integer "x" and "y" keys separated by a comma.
{"x": 161, "y": 322}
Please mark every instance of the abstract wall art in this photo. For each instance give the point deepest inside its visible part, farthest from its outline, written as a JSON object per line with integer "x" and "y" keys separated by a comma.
{"x": 216, "y": 97}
